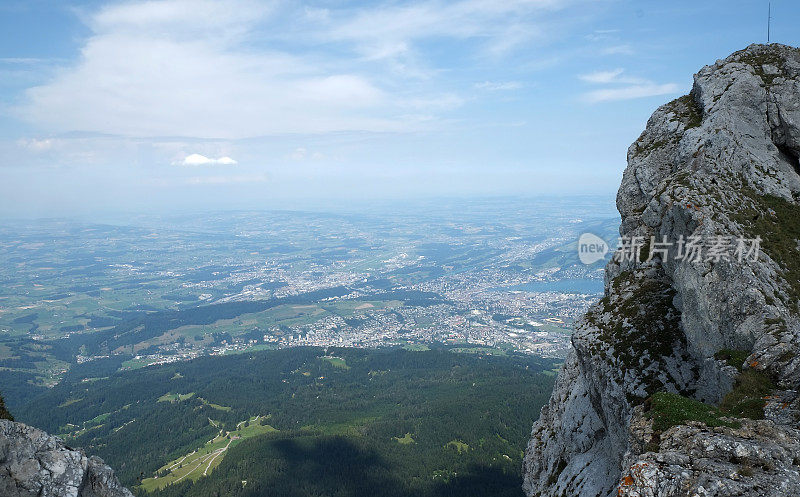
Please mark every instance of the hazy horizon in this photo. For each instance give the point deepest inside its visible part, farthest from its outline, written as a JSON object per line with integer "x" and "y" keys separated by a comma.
{"x": 452, "y": 207}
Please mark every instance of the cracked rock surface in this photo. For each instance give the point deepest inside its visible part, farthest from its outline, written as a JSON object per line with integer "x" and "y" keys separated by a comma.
{"x": 35, "y": 464}
{"x": 719, "y": 162}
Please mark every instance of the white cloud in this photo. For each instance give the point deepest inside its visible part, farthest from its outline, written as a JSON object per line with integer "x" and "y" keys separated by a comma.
{"x": 602, "y": 76}
{"x": 236, "y": 69}
{"x": 630, "y": 92}
{"x": 37, "y": 144}
{"x": 180, "y": 68}
{"x": 623, "y": 87}
{"x": 611, "y": 40}
{"x": 432, "y": 19}
{"x": 392, "y": 30}
{"x": 498, "y": 86}
{"x": 202, "y": 160}
{"x": 226, "y": 20}
{"x": 617, "y": 50}
{"x": 600, "y": 35}
{"x": 20, "y": 60}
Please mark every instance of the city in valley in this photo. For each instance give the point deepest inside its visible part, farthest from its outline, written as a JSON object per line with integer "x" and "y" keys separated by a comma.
{"x": 480, "y": 277}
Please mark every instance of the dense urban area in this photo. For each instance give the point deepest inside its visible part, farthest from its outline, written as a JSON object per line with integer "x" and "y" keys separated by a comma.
{"x": 485, "y": 277}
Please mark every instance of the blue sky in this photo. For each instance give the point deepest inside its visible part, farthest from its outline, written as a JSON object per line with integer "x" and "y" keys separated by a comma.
{"x": 197, "y": 104}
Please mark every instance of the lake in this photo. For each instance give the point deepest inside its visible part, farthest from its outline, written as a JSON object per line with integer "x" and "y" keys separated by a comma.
{"x": 582, "y": 285}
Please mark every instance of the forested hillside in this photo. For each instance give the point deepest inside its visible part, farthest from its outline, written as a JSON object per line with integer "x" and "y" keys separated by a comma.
{"x": 305, "y": 421}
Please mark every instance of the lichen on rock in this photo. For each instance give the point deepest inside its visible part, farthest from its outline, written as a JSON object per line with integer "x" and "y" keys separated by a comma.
{"x": 35, "y": 464}
{"x": 715, "y": 341}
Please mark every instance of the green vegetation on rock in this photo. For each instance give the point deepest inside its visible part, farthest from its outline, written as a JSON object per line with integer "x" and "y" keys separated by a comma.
{"x": 4, "y": 414}
{"x": 746, "y": 399}
{"x": 732, "y": 357}
{"x": 774, "y": 219}
{"x": 687, "y": 111}
{"x": 670, "y": 409}
{"x": 645, "y": 325}
{"x": 765, "y": 57}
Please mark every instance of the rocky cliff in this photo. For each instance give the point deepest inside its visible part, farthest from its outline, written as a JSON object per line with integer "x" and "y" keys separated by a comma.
{"x": 35, "y": 464}
{"x": 683, "y": 379}
{"x": 4, "y": 414}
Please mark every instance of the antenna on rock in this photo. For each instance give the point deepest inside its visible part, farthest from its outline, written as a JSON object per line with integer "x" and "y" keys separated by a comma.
{"x": 769, "y": 18}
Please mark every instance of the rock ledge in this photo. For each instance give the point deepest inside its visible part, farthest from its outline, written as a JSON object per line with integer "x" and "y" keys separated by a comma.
{"x": 35, "y": 464}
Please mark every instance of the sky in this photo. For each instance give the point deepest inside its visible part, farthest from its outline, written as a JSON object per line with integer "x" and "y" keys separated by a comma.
{"x": 188, "y": 105}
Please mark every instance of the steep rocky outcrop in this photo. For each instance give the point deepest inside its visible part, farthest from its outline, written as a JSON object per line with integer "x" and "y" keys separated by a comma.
{"x": 35, "y": 464}
{"x": 683, "y": 379}
{"x": 4, "y": 414}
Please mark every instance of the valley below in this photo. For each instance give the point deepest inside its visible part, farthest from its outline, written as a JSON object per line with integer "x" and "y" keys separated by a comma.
{"x": 403, "y": 352}
{"x": 306, "y": 421}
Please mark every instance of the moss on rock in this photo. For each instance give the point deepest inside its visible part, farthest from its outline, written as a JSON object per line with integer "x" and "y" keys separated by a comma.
{"x": 747, "y": 398}
{"x": 670, "y": 409}
{"x": 775, "y": 221}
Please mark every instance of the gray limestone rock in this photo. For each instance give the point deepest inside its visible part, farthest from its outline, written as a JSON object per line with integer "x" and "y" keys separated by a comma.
{"x": 719, "y": 162}
{"x": 35, "y": 464}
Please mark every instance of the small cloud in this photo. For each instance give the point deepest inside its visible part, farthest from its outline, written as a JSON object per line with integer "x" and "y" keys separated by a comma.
{"x": 600, "y": 77}
{"x": 599, "y": 35}
{"x": 623, "y": 87}
{"x": 36, "y": 145}
{"x": 202, "y": 160}
{"x": 630, "y": 92}
{"x": 498, "y": 85}
{"x": 617, "y": 50}
{"x": 20, "y": 60}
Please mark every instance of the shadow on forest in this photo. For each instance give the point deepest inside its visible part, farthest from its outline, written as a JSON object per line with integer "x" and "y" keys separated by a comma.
{"x": 331, "y": 467}
{"x": 337, "y": 467}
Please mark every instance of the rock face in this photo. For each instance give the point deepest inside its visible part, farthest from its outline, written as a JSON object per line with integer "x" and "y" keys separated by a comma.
{"x": 4, "y": 414}
{"x": 720, "y": 164}
{"x": 35, "y": 464}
